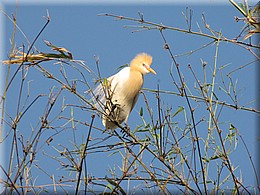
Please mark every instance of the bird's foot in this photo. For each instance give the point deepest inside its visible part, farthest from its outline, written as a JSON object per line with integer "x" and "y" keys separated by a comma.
{"x": 125, "y": 130}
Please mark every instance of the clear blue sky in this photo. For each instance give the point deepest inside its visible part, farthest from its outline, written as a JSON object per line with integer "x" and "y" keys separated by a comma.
{"x": 78, "y": 28}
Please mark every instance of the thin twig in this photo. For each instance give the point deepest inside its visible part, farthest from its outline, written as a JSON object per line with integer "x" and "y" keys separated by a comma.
{"x": 83, "y": 155}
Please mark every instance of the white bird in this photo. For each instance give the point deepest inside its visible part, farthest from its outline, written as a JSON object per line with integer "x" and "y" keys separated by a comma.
{"x": 116, "y": 96}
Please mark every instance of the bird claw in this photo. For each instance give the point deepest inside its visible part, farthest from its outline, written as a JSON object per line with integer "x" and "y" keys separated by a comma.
{"x": 125, "y": 131}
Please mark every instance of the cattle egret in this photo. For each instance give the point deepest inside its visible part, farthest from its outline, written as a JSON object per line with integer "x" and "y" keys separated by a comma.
{"x": 116, "y": 96}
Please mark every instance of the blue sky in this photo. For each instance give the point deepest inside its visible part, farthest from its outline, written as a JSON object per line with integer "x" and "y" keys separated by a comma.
{"x": 78, "y": 28}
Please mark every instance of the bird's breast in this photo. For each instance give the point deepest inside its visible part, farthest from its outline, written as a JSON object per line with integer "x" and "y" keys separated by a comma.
{"x": 125, "y": 93}
{"x": 133, "y": 85}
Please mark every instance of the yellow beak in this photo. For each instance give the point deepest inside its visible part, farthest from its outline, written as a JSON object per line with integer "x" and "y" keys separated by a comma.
{"x": 150, "y": 69}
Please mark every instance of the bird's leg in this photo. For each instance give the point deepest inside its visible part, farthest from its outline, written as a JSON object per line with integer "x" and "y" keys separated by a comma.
{"x": 125, "y": 130}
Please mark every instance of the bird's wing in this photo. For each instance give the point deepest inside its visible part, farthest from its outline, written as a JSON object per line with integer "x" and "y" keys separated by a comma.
{"x": 105, "y": 89}
{"x": 134, "y": 101}
{"x": 101, "y": 93}
{"x": 114, "y": 81}
{"x": 132, "y": 106}
{"x": 109, "y": 97}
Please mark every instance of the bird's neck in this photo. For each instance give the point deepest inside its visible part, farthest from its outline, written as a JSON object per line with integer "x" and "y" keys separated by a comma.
{"x": 135, "y": 82}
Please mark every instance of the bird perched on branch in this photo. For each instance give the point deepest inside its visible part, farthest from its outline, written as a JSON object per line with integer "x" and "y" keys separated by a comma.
{"x": 116, "y": 96}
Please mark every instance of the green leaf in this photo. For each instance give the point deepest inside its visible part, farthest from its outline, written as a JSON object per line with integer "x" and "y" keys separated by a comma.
{"x": 232, "y": 127}
{"x": 105, "y": 82}
{"x": 146, "y": 128}
{"x": 230, "y": 135}
{"x": 224, "y": 66}
{"x": 141, "y": 112}
{"x": 178, "y": 111}
{"x": 123, "y": 66}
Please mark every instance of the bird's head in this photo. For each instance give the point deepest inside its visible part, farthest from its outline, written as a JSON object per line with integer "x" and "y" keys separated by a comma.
{"x": 142, "y": 63}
